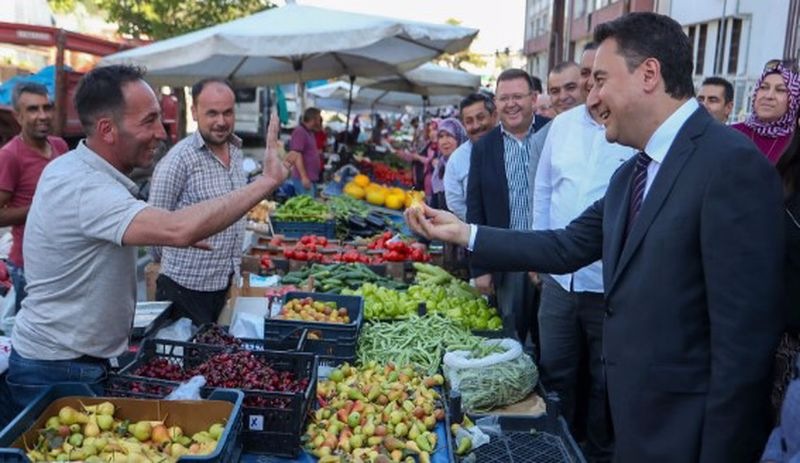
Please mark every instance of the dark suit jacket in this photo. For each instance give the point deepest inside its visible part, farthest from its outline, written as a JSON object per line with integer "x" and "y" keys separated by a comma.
{"x": 693, "y": 295}
{"x": 487, "y": 188}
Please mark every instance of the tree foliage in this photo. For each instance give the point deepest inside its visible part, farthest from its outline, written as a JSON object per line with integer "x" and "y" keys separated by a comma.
{"x": 457, "y": 60}
{"x": 160, "y": 19}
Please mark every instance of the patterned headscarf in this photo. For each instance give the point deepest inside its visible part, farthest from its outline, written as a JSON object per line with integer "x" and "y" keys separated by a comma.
{"x": 785, "y": 125}
{"x": 453, "y": 127}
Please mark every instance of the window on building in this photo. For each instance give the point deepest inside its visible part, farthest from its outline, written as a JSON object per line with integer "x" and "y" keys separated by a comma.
{"x": 719, "y": 49}
{"x": 701, "y": 49}
{"x": 579, "y": 8}
{"x": 733, "y": 50}
{"x": 691, "y": 34}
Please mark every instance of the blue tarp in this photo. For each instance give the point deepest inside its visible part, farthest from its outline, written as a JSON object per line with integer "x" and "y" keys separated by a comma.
{"x": 46, "y": 76}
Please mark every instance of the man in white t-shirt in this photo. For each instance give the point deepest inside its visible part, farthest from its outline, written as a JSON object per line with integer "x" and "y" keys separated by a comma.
{"x": 83, "y": 228}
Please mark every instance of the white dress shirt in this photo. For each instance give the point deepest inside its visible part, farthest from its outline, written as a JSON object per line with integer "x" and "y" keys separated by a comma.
{"x": 456, "y": 177}
{"x": 574, "y": 169}
{"x": 657, "y": 148}
{"x": 661, "y": 140}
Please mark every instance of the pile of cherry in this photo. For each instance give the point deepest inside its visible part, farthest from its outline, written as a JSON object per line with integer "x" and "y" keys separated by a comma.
{"x": 240, "y": 370}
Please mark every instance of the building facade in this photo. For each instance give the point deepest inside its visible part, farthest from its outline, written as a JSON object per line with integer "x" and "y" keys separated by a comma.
{"x": 735, "y": 38}
{"x": 730, "y": 38}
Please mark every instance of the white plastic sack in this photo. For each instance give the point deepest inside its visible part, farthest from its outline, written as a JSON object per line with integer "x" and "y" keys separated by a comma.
{"x": 7, "y": 307}
{"x": 462, "y": 359}
{"x": 492, "y": 381}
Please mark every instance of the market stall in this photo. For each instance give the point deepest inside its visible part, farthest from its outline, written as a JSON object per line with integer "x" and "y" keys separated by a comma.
{"x": 347, "y": 341}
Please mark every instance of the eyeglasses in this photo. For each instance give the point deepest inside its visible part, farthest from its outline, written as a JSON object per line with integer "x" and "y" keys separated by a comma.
{"x": 516, "y": 98}
{"x": 772, "y": 65}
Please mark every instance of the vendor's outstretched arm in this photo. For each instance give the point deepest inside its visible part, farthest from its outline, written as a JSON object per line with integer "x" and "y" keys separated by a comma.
{"x": 550, "y": 251}
{"x": 187, "y": 226}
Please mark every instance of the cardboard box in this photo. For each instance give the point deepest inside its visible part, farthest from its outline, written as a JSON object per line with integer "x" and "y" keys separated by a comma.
{"x": 191, "y": 416}
{"x": 151, "y": 271}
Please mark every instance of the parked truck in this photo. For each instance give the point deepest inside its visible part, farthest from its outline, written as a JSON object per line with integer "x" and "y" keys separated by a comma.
{"x": 66, "y": 123}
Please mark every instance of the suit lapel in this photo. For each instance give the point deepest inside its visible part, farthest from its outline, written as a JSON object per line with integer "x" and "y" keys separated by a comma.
{"x": 618, "y": 218}
{"x": 668, "y": 172}
{"x": 499, "y": 175}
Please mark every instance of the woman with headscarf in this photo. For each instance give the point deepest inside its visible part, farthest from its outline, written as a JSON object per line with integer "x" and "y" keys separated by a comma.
{"x": 775, "y": 104}
{"x": 422, "y": 163}
{"x": 450, "y": 135}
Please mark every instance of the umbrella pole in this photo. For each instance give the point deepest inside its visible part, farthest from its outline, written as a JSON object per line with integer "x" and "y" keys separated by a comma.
{"x": 349, "y": 104}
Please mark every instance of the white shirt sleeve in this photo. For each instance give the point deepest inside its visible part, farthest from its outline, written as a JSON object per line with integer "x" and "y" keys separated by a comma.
{"x": 473, "y": 233}
{"x": 542, "y": 186}
{"x": 454, "y": 191}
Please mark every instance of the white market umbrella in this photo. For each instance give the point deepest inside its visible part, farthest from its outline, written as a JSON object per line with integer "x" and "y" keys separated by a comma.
{"x": 429, "y": 79}
{"x": 428, "y": 84}
{"x": 296, "y": 43}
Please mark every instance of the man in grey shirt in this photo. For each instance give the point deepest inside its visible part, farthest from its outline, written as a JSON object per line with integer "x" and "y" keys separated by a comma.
{"x": 83, "y": 228}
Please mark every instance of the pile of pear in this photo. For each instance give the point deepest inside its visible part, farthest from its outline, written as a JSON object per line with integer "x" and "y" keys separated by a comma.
{"x": 95, "y": 435}
{"x": 375, "y": 414}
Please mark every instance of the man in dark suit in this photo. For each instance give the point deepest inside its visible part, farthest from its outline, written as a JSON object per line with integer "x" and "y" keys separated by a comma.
{"x": 691, "y": 240}
{"x": 500, "y": 193}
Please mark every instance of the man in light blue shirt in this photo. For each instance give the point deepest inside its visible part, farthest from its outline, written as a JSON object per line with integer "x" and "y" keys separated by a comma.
{"x": 479, "y": 116}
{"x": 576, "y": 164}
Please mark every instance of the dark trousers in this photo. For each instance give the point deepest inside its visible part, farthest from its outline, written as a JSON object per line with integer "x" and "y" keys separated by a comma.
{"x": 568, "y": 321}
{"x": 200, "y": 306}
{"x": 517, "y": 304}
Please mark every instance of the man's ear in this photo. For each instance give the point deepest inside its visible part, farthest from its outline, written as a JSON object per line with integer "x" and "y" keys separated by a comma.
{"x": 651, "y": 74}
{"x": 106, "y": 130}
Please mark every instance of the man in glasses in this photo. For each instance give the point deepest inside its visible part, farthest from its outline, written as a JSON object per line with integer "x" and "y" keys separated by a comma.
{"x": 21, "y": 163}
{"x": 716, "y": 95}
{"x": 500, "y": 193}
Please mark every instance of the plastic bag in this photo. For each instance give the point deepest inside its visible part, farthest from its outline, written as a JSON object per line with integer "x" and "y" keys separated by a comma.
{"x": 492, "y": 381}
{"x": 190, "y": 390}
{"x": 8, "y": 305}
{"x": 181, "y": 330}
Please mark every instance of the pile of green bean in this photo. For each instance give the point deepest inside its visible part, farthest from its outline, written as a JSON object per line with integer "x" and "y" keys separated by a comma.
{"x": 420, "y": 341}
{"x": 483, "y": 389}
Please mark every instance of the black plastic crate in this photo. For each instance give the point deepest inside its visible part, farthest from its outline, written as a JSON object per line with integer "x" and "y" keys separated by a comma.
{"x": 273, "y": 429}
{"x": 525, "y": 439}
{"x": 299, "y": 229}
{"x": 228, "y": 451}
{"x": 294, "y": 341}
{"x": 326, "y": 331}
{"x": 333, "y": 352}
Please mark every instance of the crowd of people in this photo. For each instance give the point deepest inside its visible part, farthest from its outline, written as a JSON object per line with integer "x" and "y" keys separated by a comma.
{"x": 647, "y": 251}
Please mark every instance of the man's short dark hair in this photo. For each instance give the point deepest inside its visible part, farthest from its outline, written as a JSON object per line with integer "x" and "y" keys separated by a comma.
{"x": 478, "y": 97}
{"x": 100, "y": 93}
{"x": 26, "y": 87}
{"x": 563, "y": 66}
{"x": 515, "y": 73}
{"x": 311, "y": 113}
{"x": 641, "y": 36}
{"x": 537, "y": 84}
{"x": 198, "y": 87}
{"x": 590, "y": 46}
{"x": 716, "y": 80}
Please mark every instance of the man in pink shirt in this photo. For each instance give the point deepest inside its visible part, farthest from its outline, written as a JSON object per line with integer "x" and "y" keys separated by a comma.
{"x": 306, "y": 173}
{"x": 21, "y": 163}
